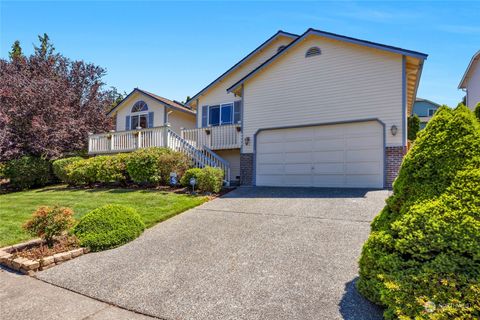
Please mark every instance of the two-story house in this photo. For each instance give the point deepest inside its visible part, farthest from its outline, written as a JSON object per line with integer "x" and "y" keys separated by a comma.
{"x": 424, "y": 109}
{"x": 317, "y": 109}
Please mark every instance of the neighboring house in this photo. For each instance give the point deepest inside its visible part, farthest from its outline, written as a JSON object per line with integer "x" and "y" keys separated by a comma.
{"x": 142, "y": 109}
{"x": 424, "y": 109}
{"x": 471, "y": 82}
{"x": 309, "y": 110}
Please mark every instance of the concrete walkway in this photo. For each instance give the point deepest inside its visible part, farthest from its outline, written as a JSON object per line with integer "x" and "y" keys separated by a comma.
{"x": 25, "y": 298}
{"x": 256, "y": 253}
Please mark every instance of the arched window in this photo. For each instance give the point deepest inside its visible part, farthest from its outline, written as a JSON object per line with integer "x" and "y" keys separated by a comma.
{"x": 281, "y": 48}
{"x": 313, "y": 51}
{"x": 139, "y": 106}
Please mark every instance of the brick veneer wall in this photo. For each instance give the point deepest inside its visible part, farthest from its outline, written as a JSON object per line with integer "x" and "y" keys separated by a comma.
{"x": 394, "y": 158}
{"x": 246, "y": 169}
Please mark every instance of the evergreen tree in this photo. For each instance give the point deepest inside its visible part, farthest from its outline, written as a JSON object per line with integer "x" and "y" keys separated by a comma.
{"x": 16, "y": 51}
{"x": 413, "y": 127}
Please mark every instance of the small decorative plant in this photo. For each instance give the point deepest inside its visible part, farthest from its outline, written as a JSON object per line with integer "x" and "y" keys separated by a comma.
{"x": 50, "y": 222}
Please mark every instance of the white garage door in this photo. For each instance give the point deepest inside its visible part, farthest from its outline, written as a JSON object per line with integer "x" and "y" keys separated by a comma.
{"x": 340, "y": 155}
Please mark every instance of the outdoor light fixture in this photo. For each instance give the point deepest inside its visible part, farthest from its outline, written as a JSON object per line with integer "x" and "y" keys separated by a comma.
{"x": 393, "y": 130}
{"x": 247, "y": 141}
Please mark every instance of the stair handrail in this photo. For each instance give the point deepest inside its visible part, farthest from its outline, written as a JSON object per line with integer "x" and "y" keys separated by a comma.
{"x": 206, "y": 157}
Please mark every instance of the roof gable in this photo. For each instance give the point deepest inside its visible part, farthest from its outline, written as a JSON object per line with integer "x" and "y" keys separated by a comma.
{"x": 167, "y": 102}
{"x": 397, "y": 50}
{"x": 473, "y": 61}
{"x": 247, "y": 58}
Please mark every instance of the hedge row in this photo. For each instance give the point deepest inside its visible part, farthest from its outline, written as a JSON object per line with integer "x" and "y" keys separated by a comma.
{"x": 422, "y": 259}
{"x": 145, "y": 166}
{"x": 149, "y": 166}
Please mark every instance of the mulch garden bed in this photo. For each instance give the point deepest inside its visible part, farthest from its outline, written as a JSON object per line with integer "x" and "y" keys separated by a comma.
{"x": 32, "y": 256}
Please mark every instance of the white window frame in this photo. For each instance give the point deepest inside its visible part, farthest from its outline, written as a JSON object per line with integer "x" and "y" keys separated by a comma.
{"x": 428, "y": 112}
{"x": 220, "y": 105}
{"x": 137, "y": 114}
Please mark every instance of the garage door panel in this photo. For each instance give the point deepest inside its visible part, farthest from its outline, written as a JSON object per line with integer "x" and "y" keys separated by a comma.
{"x": 269, "y": 158}
{"x": 298, "y": 134}
{"x": 328, "y": 168}
{"x": 298, "y": 168}
{"x": 297, "y": 146}
{"x": 328, "y": 156}
{"x": 329, "y": 145}
{"x": 297, "y": 157}
{"x": 270, "y": 168}
{"x": 273, "y": 147}
{"x": 370, "y": 167}
{"x": 363, "y": 142}
{"x": 342, "y": 155}
{"x": 364, "y": 181}
{"x": 367, "y": 154}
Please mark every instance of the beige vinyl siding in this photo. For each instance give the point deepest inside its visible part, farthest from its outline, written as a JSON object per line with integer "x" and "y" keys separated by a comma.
{"x": 126, "y": 107}
{"x": 233, "y": 158}
{"x": 473, "y": 87}
{"x": 218, "y": 93}
{"x": 346, "y": 82}
{"x": 179, "y": 119}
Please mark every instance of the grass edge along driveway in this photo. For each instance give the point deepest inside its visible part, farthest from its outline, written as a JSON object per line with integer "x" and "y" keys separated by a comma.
{"x": 153, "y": 206}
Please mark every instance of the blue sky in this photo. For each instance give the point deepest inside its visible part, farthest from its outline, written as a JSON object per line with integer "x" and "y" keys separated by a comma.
{"x": 174, "y": 49}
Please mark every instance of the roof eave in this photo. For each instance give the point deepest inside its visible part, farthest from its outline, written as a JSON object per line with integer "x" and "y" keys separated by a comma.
{"x": 238, "y": 64}
{"x": 414, "y": 54}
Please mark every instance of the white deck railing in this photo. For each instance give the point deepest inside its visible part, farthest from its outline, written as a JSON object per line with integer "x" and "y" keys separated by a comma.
{"x": 215, "y": 138}
{"x": 126, "y": 141}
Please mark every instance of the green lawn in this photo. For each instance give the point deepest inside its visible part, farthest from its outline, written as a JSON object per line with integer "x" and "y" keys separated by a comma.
{"x": 153, "y": 206}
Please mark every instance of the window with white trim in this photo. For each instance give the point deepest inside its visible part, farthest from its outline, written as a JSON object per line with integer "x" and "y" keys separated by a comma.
{"x": 431, "y": 112}
{"x": 139, "y": 115}
{"x": 221, "y": 114}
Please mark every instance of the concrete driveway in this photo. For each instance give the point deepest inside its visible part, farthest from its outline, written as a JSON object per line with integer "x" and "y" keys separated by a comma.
{"x": 256, "y": 253}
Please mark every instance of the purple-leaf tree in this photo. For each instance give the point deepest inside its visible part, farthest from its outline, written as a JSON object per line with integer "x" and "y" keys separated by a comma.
{"x": 49, "y": 104}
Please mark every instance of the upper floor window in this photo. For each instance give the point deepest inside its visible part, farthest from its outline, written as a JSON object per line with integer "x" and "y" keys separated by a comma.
{"x": 139, "y": 106}
{"x": 313, "y": 51}
{"x": 221, "y": 114}
{"x": 431, "y": 112}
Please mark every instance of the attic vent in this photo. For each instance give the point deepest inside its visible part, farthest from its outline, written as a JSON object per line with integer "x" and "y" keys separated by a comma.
{"x": 313, "y": 51}
{"x": 280, "y": 48}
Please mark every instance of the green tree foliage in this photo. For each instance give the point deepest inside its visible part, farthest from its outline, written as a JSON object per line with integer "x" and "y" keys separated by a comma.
{"x": 477, "y": 111}
{"x": 16, "y": 51}
{"x": 413, "y": 127}
{"x": 424, "y": 248}
{"x": 27, "y": 172}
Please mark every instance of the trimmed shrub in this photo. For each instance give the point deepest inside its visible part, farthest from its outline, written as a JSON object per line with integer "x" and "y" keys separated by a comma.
{"x": 27, "y": 172}
{"x": 3, "y": 166}
{"x": 60, "y": 168}
{"x": 477, "y": 111}
{"x": 108, "y": 227}
{"x": 49, "y": 222}
{"x": 422, "y": 259}
{"x": 210, "y": 180}
{"x": 82, "y": 172}
{"x": 189, "y": 174}
{"x": 103, "y": 169}
{"x": 111, "y": 168}
{"x": 153, "y": 165}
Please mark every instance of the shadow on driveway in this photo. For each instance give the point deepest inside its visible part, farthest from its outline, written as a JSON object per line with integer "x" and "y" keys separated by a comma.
{"x": 354, "y": 306}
